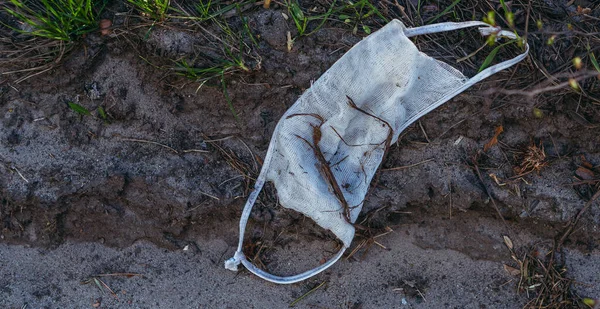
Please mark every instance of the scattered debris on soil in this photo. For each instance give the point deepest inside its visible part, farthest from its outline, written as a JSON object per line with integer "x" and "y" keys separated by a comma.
{"x": 149, "y": 126}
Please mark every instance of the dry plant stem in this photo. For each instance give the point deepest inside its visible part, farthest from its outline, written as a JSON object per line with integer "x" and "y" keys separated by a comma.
{"x": 20, "y": 175}
{"x": 127, "y": 275}
{"x": 237, "y": 164}
{"x": 326, "y": 171}
{"x": 405, "y": 166}
{"x": 388, "y": 140}
{"x": 149, "y": 142}
{"x": 295, "y": 302}
{"x": 424, "y": 133}
{"x": 574, "y": 222}
{"x": 323, "y": 165}
{"x": 350, "y": 145}
{"x": 369, "y": 241}
{"x": 476, "y": 169}
{"x": 251, "y": 154}
{"x": 538, "y": 90}
{"x": 558, "y": 244}
{"x": 30, "y": 52}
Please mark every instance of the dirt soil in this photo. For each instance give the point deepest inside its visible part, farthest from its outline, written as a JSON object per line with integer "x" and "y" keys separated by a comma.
{"x": 157, "y": 188}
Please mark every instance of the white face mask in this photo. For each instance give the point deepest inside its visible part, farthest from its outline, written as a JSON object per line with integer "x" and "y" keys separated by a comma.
{"x": 341, "y": 127}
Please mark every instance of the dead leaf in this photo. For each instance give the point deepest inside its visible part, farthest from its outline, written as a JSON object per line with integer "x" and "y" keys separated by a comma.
{"x": 290, "y": 43}
{"x": 105, "y": 25}
{"x": 584, "y": 173}
{"x": 494, "y": 140}
{"x": 511, "y": 270}
{"x": 508, "y": 242}
{"x": 581, "y": 10}
{"x": 496, "y": 179}
{"x": 591, "y": 302}
{"x": 585, "y": 163}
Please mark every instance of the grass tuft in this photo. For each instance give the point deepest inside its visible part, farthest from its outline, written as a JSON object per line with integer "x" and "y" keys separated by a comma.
{"x": 63, "y": 20}
{"x": 302, "y": 20}
{"x": 154, "y": 9}
{"x": 230, "y": 46}
{"x": 359, "y": 13}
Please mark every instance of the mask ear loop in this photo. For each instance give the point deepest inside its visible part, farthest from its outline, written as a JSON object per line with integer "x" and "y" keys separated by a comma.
{"x": 486, "y": 30}
{"x": 239, "y": 257}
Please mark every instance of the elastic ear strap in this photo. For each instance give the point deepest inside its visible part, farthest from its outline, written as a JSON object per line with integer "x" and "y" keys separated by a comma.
{"x": 291, "y": 279}
{"x": 443, "y": 27}
{"x": 239, "y": 257}
{"x": 486, "y": 31}
{"x": 502, "y": 65}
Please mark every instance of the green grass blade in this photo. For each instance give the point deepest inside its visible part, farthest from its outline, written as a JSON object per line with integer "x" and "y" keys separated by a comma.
{"x": 324, "y": 17}
{"x": 488, "y": 60}
{"x": 226, "y": 94}
{"x": 296, "y": 11}
{"x": 101, "y": 113}
{"x": 56, "y": 19}
{"x": 78, "y": 108}
{"x": 594, "y": 62}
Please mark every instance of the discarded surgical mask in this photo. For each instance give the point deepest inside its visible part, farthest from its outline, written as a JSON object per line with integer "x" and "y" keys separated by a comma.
{"x": 327, "y": 147}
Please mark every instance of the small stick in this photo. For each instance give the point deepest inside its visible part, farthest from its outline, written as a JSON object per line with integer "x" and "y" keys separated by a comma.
{"x": 218, "y": 139}
{"x": 406, "y": 166}
{"x": 424, "y": 133}
{"x": 150, "y": 142}
{"x": 326, "y": 170}
{"x": 358, "y": 247}
{"x": 22, "y": 177}
{"x": 388, "y": 140}
{"x": 324, "y": 166}
{"x": 351, "y": 145}
{"x": 306, "y": 294}
{"x": 572, "y": 225}
{"x": 308, "y": 114}
{"x": 128, "y": 275}
{"x": 195, "y": 150}
{"x": 422, "y": 296}
{"x": 476, "y": 168}
{"x": 450, "y": 189}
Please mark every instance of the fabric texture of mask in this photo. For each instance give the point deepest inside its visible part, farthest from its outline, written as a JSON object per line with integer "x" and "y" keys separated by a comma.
{"x": 327, "y": 147}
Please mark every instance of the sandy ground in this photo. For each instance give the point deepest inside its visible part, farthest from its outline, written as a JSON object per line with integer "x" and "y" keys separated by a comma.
{"x": 407, "y": 275}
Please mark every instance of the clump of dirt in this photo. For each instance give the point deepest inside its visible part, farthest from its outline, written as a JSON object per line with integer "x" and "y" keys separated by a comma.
{"x": 414, "y": 287}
